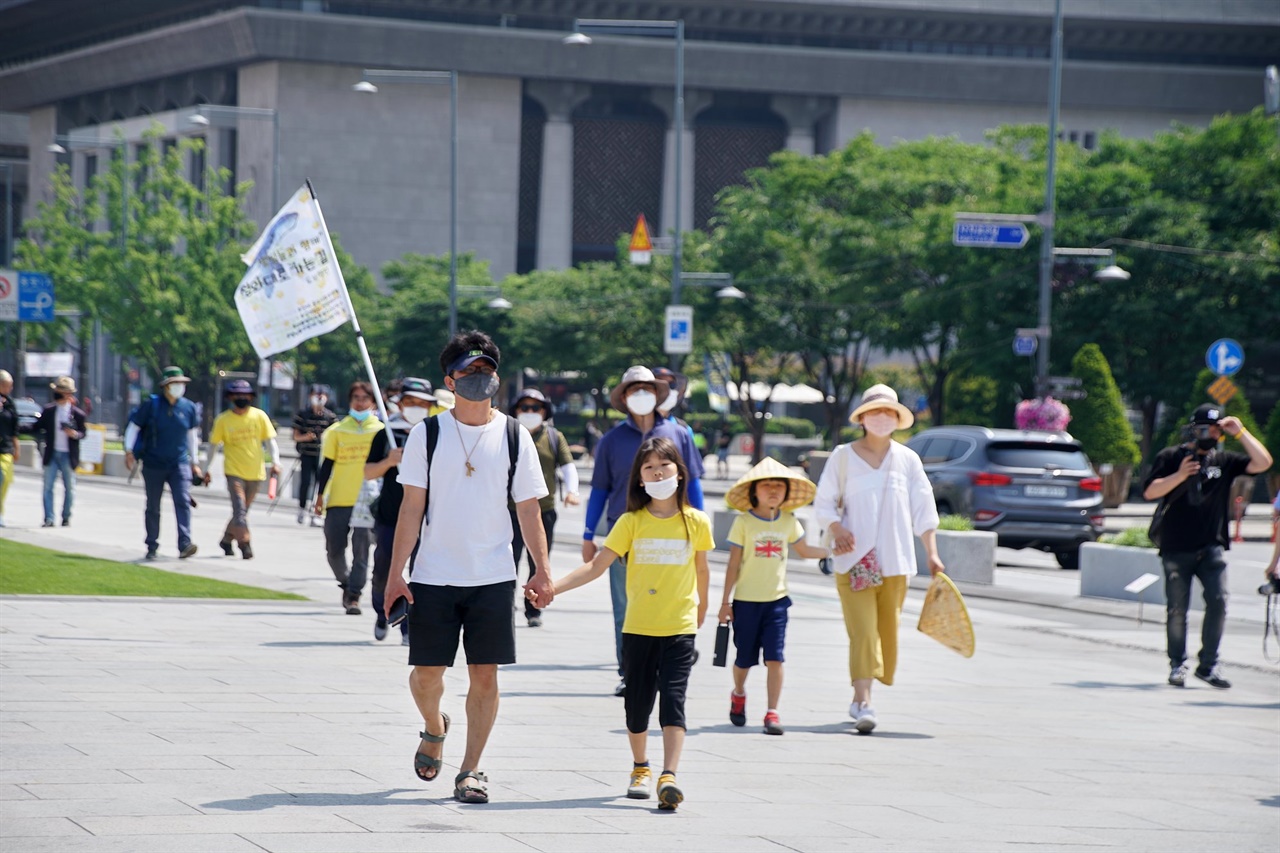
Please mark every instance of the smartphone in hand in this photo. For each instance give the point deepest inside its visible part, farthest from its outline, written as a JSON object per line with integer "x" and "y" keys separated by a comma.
{"x": 399, "y": 611}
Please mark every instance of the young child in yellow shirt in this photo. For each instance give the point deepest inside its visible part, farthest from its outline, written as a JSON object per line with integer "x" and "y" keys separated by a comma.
{"x": 665, "y": 541}
{"x": 759, "y": 541}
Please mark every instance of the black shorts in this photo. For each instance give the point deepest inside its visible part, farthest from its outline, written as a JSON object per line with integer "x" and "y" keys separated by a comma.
{"x": 481, "y": 614}
{"x": 657, "y": 668}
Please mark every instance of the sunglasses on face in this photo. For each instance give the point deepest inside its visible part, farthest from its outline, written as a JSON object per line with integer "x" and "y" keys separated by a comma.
{"x": 531, "y": 408}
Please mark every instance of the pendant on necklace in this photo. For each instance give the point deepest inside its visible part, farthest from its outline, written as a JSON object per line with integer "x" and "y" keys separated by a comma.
{"x": 470, "y": 469}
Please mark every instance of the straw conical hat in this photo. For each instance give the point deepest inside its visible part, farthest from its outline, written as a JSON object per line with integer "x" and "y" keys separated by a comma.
{"x": 801, "y": 492}
{"x": 945, "y": 618}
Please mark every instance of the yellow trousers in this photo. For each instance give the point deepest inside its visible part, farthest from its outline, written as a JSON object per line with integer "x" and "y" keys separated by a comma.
{"x": 6, "y": 477}
{"x": 871, "y": 621}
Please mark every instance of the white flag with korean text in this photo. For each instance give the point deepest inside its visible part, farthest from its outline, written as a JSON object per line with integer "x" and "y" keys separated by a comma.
{"x": 294, "y": 289}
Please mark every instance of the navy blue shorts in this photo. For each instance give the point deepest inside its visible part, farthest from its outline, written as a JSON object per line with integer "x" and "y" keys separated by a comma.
{"x": 759, "y": 626}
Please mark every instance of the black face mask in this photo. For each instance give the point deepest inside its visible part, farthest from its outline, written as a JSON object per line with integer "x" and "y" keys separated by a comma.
{"x": 240, "y": 402}
{"x": 1205, "y": 439}
{"x": 58, "y": 397}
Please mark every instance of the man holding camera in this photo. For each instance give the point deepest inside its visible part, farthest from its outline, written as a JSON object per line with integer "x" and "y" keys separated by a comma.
{"x": 1193, "y": 482}
{"x": 61, "y": 425}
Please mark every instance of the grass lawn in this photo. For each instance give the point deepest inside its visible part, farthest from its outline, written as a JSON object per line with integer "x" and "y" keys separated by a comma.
{"x": 28, "y": 570}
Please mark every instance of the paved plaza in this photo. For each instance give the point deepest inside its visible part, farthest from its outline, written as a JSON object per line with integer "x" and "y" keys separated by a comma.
{"x": 180, "y": 725}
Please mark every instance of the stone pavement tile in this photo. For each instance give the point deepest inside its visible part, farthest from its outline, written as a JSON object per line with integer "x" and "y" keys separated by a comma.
{"x": 500, "y": 816}
{"x": 107, "y": 761}
{"x": 137, "y": 844}
{"x": 59, "y": 827}
{"x": 973, "y": 813}
{"x": 661, "y": 843}
{"x": 421, "y": 841}
{"x": 689, "y": 824}
{"x": 66, "y": 775}
{"x": 966, "y": 836}
{"x": 137, "y": 803}
{"x": 301, "y": 820}
{"x": 1187, "y": 840}
{"x": 15, "y": 792}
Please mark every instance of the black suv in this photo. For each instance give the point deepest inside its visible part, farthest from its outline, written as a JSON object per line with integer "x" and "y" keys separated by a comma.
{"x": 1033, "y": 489}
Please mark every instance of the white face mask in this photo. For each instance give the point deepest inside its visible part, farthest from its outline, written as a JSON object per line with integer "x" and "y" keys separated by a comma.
{"x": 670, "y": 403}
{"x": 529, "y": 420}
{"x": 316, "y": 401}
{"x": 661, "y": 489}
{"x": 880, "y": 425}
{"x": 176, "y": 391}
{"x": 641, "y": 403}
{"x": 414, "y": 414}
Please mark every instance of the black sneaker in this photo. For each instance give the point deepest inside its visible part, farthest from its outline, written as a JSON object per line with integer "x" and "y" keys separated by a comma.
{"x": 351, "y": 603}
{"x": 151, "y": 554}
{"x": 1214, "y": 678}
{"x": 66, "y": 522}
{"x": 380, "y": 628}
{"x": 246, "y": 550}
{"x": 188, "y": 551}
{"x": 225, "y": 545}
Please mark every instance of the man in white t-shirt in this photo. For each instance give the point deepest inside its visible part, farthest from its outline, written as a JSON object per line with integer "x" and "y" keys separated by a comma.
{"x": 463, "y": 576}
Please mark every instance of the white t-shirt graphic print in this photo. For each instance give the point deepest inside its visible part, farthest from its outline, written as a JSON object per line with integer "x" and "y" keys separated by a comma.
{"x": 466, "y": 540}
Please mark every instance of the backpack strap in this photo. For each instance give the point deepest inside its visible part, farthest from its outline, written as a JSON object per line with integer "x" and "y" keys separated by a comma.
{"x": 431, "y": 437}
{"x": 553, "y": 438}
{"x": 513, "y": 452}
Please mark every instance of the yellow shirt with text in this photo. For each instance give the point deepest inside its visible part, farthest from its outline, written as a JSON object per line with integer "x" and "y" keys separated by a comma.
{"x": 241, "y": 437}
{"x": 347, "y": 444}
{"x": 662, "y": 583}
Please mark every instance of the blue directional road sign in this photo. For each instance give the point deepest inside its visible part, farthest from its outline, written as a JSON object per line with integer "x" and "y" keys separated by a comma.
{"x": 35, "y": 298}
{"x": 1225, "y": 357}
{"x": 1025, "y": 345}
{"x": 990, "y": 235}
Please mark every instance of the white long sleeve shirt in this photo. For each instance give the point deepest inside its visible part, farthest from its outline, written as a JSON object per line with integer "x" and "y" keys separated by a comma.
{"x": 880, "y": 516}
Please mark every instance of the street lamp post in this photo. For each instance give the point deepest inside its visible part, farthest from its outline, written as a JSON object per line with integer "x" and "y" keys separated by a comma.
{"x": 215, "y": 115}
{"x": 369, "y": 84}
{"x": 582, "y": 30}
{"x": 1047, "y": 216}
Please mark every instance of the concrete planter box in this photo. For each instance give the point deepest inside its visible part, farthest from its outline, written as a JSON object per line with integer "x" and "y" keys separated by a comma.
{"x": 113, "y": 464}
{"x": 969, "y": 555}
{"x": 28, "y": 454}
{"x": 1105, "y": 570}
{"x": 721, "y": 521}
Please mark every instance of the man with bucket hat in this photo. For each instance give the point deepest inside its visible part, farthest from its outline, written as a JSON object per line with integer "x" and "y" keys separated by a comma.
{"x": 762, "y": 534}
{"x": 244, "y": 431}
{"x": 636, "y": 395}
{"x": 163, "y": 433}
{"x": 533, "y": 411}
{"x": 61, "y": 424}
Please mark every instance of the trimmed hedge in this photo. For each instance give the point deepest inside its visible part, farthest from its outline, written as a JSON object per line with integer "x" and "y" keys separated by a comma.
{"x": 1098, "y": 420}
{"x": 1237, "y": 406}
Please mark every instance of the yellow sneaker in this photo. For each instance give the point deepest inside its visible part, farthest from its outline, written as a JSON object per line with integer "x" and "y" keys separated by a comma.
{"x": 641, "y": 778}
{"x": 669, "y": 796}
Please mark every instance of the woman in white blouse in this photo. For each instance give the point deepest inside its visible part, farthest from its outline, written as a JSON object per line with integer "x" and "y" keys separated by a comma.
{"x": 872, "y": 497}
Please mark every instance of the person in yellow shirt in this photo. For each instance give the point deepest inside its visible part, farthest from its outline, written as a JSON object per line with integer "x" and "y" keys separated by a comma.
{"x": 244, "y": 432}
{"x": 762, "y": 534}
{"x": 666, "y": 542}
{"x": 344, "y": 448}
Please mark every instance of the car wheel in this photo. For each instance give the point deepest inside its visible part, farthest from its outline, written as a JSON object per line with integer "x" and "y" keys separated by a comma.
{"x": 944, "y": 508}
{"x": 1068, "y": 559}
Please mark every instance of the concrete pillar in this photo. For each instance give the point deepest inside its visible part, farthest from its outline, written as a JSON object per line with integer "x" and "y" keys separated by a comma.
{"x": 555, "y": 188}
{"x": 555, "y": 195}
{"x": 694, "y": 103}
{"x": 42, "y": 130}
{"x": 802, "y": 114}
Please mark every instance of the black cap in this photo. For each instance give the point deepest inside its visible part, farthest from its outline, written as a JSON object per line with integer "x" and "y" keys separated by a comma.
{"x": 238, "y": 386}
{"x": 1209, "y": 413}
{"x": 532, "y": 394}
{"x": 320, "y": 388}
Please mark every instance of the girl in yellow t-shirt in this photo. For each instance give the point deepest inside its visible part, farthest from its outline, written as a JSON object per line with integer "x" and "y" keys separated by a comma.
{"x": 666, "y": 542}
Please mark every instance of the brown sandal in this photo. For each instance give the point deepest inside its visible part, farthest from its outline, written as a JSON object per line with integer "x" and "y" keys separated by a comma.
{"x": 464, "y": 793}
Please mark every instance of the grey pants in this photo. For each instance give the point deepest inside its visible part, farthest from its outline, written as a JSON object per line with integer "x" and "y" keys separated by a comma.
{"x": 337, "y": 528}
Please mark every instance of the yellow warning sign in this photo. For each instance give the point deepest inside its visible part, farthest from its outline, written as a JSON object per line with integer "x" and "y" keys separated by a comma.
{"x": 641, "y": 246}
{"x": 1222, "y": 390}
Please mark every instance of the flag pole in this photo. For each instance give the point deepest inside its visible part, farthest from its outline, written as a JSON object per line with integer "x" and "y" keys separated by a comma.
{"x": 355, "y": 322}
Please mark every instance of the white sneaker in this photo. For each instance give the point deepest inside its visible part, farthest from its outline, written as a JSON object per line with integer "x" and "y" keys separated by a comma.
{"x": 621, "y": 689}
{"x": 638, "y": 788}
{"x": 302, "y": 515}
{"x": 866, "y": 719}
{"x": 853, "y": 710}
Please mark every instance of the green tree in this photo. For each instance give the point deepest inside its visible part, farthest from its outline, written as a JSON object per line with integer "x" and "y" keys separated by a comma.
{"x": 971, "y": 399}
{"x": 1098, "y": 420}
{"x": 162, "y": 276}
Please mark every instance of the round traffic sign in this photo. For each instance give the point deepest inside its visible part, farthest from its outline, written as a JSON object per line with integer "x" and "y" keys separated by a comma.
{"x": 1225, "y": 357}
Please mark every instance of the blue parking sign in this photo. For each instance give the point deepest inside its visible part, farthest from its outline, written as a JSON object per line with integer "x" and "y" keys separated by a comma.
{"x": 35, "y": 298}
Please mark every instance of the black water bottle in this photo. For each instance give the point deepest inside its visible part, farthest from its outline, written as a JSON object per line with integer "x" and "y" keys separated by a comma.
{"x": 722, "y": 645}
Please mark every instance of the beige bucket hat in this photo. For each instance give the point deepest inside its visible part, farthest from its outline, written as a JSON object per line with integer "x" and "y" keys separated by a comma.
{"x": 883, "y": 397}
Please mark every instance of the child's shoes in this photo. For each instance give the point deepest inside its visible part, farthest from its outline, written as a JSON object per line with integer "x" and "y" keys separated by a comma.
{"x": 669, "y": 796}
{"x": 738, "y": 709}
